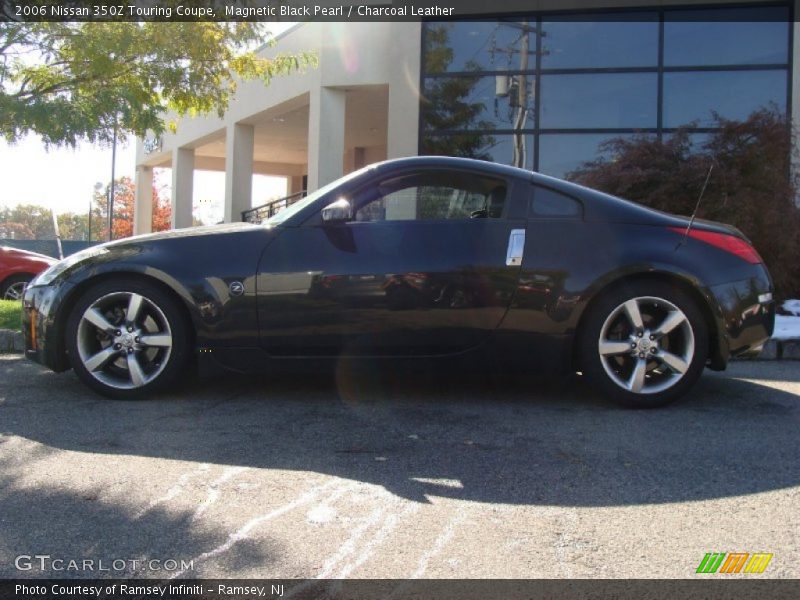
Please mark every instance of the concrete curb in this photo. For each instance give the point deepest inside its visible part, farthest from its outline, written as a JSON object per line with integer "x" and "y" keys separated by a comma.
{"x": 780, "y": 350}
{"x": 11, "y": 341}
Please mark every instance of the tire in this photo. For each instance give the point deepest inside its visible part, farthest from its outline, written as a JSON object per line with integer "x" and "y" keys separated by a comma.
{"x": 123, "y": 363}
{"x": 12, "y": 288}
{"x": 650, "y": 360}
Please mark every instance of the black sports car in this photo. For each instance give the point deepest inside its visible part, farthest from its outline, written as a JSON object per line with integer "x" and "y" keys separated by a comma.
{"x": 420, "y": 257}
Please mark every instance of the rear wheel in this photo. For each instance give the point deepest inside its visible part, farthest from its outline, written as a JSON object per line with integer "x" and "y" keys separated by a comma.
{"x": 127, "y": 339}
{"x": 645, "y": 344}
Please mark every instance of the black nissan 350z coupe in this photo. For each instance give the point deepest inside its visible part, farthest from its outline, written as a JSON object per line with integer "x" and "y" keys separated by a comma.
{"x": 425, "y": 257}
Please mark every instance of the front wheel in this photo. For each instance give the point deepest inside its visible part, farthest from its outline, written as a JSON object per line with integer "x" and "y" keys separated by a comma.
{"x": 127, "y": 339}
{"x": 644, "y": 344}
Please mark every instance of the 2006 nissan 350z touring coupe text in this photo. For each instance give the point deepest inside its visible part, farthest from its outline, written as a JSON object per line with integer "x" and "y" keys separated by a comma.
{"x": 425, "y": 257}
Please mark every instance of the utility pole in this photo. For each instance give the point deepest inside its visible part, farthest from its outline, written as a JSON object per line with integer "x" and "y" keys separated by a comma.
{"x": 517, "y": 90}
{"x": 111, "y": 189}
{"x": 97, "y": 187}
{"x": 522, "y": 104}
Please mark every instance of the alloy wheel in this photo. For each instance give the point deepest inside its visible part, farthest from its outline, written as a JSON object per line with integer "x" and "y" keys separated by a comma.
{"x": 15, "y": 291}
{"x": 124, "y": 340}
{"x": 646, "y": 345}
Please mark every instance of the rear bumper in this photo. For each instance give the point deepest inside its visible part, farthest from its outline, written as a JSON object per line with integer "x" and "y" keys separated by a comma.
{"x": 746, "y": 316}
{"x": 43, "y": 344}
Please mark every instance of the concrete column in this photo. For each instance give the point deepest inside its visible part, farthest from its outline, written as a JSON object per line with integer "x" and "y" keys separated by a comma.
{"x": 239, "y": 140}
{"x": 295, "y": 184}
{"x": 404, "y": 93}
{"x": 325, "y": 136}
{"x": 182, "y": 183}
{"x": 143, "y": 204}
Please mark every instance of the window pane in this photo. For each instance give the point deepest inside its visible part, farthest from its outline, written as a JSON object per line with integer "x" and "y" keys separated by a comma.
{"x": 748, "y": 36}
{"x": 562, "y": 153}
{"x": 608, "y": 100}
{"x": 435, "y": 196}
{"x": 733, "y": 94}
{"x": 474, "y": 103}
{"x": 494, "y": 147}
{"x": 548, "y": 203}
{"x": 585, "y": 41}
{"x": 477, "y": 46}
{"x": 697, "y": 141}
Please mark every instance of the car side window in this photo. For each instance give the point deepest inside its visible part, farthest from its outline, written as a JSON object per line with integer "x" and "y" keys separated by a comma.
{"x": 433, "y": 196}
{"x": 547, "y": 203}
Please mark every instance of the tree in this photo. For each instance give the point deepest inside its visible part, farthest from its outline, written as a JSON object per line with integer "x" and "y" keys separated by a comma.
{"x": 76, "y": 81}
{"x": 752, "y": 185}
{"x": 14, "y": 231}
{"x": 34, "y": 222}
{"x": 446, "y": 105}
{"x": 124, "y": 200}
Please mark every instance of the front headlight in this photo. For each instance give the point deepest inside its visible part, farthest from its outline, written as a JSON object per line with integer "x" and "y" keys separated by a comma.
{"x": 47, "y": 277}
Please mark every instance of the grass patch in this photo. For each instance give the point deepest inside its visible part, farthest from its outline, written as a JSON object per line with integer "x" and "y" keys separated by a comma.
{"x": 10, "y": 314}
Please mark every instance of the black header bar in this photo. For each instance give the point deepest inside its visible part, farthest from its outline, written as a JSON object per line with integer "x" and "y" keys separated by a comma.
{"x": 343, "y": 10}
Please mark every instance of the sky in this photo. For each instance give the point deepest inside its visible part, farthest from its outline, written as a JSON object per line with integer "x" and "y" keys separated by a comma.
{"x": 60, "y": 178}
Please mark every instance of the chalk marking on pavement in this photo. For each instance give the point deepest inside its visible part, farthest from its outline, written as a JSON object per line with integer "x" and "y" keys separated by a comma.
{"x": 213, "y": 489}
{"x": 347, "y": 548}
{"x": 438, "y": 545}
{"x": 350, "y": 545}
{"x": 243, "y": 532}
{"x": 174, "y": 491}
{"x": 381, "y": 535}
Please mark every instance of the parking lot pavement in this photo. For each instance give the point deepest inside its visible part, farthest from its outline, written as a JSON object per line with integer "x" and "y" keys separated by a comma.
{"x": 367, "y": 474}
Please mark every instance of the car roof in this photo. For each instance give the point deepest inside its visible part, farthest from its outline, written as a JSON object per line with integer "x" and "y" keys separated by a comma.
{"x": 597, "y": 205}
{"x": 454, "y": 162}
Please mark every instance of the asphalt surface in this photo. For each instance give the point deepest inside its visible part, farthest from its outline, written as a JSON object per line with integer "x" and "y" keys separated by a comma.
{"x": 397, "y": 475}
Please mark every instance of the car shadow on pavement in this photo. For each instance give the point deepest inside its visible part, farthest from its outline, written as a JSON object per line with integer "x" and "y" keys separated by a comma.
{"x": 46, "y": 526}
{"x": 419, "y": 435}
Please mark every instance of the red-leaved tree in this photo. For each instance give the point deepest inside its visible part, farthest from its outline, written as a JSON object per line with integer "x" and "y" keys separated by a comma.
{"x": 124, "y": 200}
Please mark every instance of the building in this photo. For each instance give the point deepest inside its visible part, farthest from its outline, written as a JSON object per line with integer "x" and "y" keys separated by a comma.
{"x": 540, "y": 90}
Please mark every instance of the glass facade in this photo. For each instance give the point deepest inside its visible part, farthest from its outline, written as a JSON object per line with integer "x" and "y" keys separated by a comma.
{"x": 546, "y": 92}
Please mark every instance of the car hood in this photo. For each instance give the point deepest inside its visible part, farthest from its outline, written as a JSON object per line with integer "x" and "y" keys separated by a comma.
{"x": 17, "y": 255}
{"x": 202, "y": 231}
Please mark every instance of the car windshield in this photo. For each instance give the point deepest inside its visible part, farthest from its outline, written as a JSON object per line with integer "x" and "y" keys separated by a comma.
{"x": 295, "y": 208}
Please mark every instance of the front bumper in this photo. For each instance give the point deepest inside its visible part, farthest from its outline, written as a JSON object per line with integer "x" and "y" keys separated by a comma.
{"x": 43, "y": 339}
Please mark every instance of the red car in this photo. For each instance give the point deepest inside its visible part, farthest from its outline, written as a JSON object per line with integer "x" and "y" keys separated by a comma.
{"x": 17, "y": 268}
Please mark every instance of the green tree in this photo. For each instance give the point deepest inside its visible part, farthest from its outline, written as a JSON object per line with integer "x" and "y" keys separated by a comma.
{"x": 73, "y": 226}
{"x": 446, "y": 103}
{"x": 75, "y": 81}
{"x": 34, "y": 222}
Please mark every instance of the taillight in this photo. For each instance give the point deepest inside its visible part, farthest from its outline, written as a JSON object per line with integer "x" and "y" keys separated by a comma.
{"x": 723, "y": 241}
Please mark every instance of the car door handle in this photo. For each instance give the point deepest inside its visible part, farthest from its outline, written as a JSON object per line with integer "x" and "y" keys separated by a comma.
{"x": 516, "y": 247}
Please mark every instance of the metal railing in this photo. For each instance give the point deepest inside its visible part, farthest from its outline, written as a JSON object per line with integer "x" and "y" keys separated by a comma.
{"x": 271, "y": 208}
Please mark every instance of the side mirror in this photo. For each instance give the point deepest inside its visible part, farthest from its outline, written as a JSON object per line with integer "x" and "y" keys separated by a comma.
{"x": 338, "y": 212}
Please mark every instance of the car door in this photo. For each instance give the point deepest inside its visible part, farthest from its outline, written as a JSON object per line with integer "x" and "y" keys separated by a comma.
{"x": 427, "y": 266}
